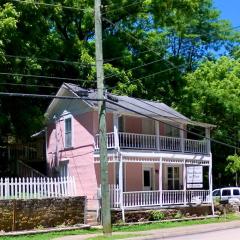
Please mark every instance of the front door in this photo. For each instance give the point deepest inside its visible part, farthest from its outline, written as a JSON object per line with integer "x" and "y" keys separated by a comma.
{"x": 173, "y": 178}
{"x": 147, "y": 179}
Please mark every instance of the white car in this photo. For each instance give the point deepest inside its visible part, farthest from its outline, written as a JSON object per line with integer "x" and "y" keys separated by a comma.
{"x": 231, "y": 194}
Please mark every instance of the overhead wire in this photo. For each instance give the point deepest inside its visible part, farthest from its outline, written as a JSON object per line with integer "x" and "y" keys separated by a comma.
{"x": 46, "y": 77}
{"x": 185, "y": 130}
{"x": 51, "y": 5}
{"x": 27, "y": 85}
{"x": 49, "y": 60}
{"x": 8, "y": 94}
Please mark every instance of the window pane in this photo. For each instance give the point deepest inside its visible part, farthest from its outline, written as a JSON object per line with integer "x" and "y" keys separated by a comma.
{"x": 176, "y": 184}
{"x": 235, "y": 192}
{"x": 170, "y": 185}
{"x": 226, "y": 192}
{"x": 146, "y": 178}
{"x": 170, "y": 172}
{"x": 176, "y": 172}
{"x": 216, "y": 193}
{"x": 68, "y": 132}
{"x": 68, "y": 125}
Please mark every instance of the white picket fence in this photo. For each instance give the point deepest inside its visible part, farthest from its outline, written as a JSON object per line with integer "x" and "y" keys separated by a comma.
{"x": 37, "y": 188}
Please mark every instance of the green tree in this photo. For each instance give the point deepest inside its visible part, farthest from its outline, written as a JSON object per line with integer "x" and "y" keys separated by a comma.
{"x": 233, "y": 166}
{"x": 179, "y": 38}
{"x": 212, "y": 94}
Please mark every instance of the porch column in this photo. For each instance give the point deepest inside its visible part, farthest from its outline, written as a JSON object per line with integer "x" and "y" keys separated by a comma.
{"x": 182, "y": 138}
{"x": 115, "y": 130}
{"x": 207, "y": 136}
{"x": 157, "y": 135}
{"x": 120, "y": 174}
{"x": 160, "y": 180}
{"x": 210, "y": 183}
{"x": 184, "y": 181}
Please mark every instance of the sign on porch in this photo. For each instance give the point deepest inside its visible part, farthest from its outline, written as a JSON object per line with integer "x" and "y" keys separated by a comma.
{"x": 195, "y": 177}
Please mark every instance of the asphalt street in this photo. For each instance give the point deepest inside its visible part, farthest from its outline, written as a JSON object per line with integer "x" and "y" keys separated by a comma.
{"x": 226, "y": 234}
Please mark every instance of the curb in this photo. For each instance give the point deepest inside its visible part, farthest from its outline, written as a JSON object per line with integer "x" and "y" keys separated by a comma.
{"x": 49, "y": 230}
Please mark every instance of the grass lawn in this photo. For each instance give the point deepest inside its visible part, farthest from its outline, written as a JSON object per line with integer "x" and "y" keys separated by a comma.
{"x": 133, "y": 228}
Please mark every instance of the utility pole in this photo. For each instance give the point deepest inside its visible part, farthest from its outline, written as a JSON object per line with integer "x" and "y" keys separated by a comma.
{"x": 106, "y": 214}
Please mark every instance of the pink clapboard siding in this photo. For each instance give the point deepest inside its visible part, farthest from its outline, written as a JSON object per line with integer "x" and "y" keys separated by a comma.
{"x": 111, "y": 173}
{"x": 133, "y": 177}
{"x": 80, "y": 156}
{"x": 133, "y": 124}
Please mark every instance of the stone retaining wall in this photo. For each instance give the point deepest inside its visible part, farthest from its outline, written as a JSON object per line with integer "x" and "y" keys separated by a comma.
{"x": 40, "y": 213}
{"x": 172, "y": 213}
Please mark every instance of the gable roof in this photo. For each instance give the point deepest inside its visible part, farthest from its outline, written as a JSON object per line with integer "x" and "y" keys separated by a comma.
{"x": 146, "y": 107}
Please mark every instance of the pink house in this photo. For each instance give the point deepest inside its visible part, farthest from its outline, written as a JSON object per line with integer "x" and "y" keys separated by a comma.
{"x": 151, "y": 162}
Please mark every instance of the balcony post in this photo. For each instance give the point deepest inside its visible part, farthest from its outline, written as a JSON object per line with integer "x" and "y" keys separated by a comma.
{"x": 207, "y": 136}
{"x": 115, "y": 130}
{"x": 182, "y": 138}
{"x": 157, "y": 135}
{"x": 210, "y": 183}
{"x": 120, "y": 174}
{"x": 160, "y": 180}
{"x": 185, "y": 181}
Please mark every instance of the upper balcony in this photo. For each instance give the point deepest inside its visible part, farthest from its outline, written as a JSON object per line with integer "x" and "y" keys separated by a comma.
{"x": 135, "y": 141}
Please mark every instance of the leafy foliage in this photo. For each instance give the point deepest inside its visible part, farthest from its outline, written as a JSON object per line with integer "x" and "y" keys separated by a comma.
{"x": 169, "y": 45}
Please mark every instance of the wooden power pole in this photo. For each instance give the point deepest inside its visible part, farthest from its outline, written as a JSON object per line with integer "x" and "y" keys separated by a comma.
{"x": 106, "y": 214}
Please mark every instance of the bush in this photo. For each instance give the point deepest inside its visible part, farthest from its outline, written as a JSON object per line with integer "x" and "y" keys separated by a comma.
{"x": 178, "y": 215}
{"x": 157, "y": 215}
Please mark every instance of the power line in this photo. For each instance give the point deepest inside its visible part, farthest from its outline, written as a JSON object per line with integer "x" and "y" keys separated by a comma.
{"x": 27, "y": 85}
{"x": 120, "y": 7}
{"x": 185, "y": 130}
{"x": 47, "y": 77}
{"x": 149, "y": 104}
{"x": 50, "y": 60}
{"x": 10, "y": 94}
{"x": 140, "y": 66}
{"x": 51, "y": 5}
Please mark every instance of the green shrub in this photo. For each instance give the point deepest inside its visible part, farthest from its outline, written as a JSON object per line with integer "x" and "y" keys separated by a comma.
{"x": 157, "y": 215}
{"x": 178, "y": 215}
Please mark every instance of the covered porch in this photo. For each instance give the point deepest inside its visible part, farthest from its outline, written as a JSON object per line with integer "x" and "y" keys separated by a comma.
{"x": 158, "y": 181}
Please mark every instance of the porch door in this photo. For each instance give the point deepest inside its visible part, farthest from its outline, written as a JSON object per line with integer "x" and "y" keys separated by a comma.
{"x": 147, "y": 179}
{"x": 173, "y": 178}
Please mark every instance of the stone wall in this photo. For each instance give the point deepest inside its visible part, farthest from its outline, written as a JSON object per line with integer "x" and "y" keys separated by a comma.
{"x": 41, "y": 213}
{"x": 172, "y": 213}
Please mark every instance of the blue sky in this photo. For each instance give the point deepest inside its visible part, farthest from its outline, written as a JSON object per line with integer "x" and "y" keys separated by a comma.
{"x": 230, "y": 10}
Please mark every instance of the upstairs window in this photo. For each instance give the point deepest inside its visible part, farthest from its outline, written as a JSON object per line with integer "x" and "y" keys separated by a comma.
{"x": 68, "y": 132}
{"x": 171, "y": 130}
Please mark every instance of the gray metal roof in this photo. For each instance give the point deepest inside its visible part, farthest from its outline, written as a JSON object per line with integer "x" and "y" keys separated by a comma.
{"x": 146, "y": 107}
{"x": 142, "y": 106}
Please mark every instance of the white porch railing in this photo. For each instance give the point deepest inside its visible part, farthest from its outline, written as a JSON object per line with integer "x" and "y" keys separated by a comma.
{"x": 157, "y": 198}
{"x": 153, "y": 142}
{"x": 32, "y": 188}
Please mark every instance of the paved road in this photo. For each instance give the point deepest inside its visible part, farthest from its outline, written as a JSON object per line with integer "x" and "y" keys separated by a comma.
{"x": 227, "y": 234}
{"x": 213, "y": 231}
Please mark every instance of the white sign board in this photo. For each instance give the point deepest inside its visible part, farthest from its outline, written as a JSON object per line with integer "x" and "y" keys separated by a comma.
{"x": 194, "y": 174}
{"x": 194, "y": 185}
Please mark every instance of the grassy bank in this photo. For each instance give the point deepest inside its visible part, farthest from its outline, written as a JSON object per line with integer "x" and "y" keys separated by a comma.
{"x": 131, "y": 228}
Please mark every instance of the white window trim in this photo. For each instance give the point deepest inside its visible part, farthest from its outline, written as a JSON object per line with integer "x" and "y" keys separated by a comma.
{"x": 68, "y": 116}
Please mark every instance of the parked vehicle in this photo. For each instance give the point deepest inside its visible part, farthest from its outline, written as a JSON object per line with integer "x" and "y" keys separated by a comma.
{"x": 227, "y": 194}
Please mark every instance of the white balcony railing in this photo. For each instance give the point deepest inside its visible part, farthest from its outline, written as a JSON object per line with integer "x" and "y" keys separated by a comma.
{"x": 153, "y": 142}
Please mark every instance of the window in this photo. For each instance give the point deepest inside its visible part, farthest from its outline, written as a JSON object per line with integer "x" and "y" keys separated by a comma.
{"x": 171, "y": 131}
{"x": 226, "y": 192}
{"x": 146, "y": 178}
{"x": 173, "y": 178}
{"x": 235, "y": 192}
{"x": 216, "y": 193}
{"x": 68, "y": 132}
{"x": 63, "y": 169}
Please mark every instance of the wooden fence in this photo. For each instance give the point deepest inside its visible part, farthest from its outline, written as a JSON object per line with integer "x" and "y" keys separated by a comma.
{"x": 37, "y": 187}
